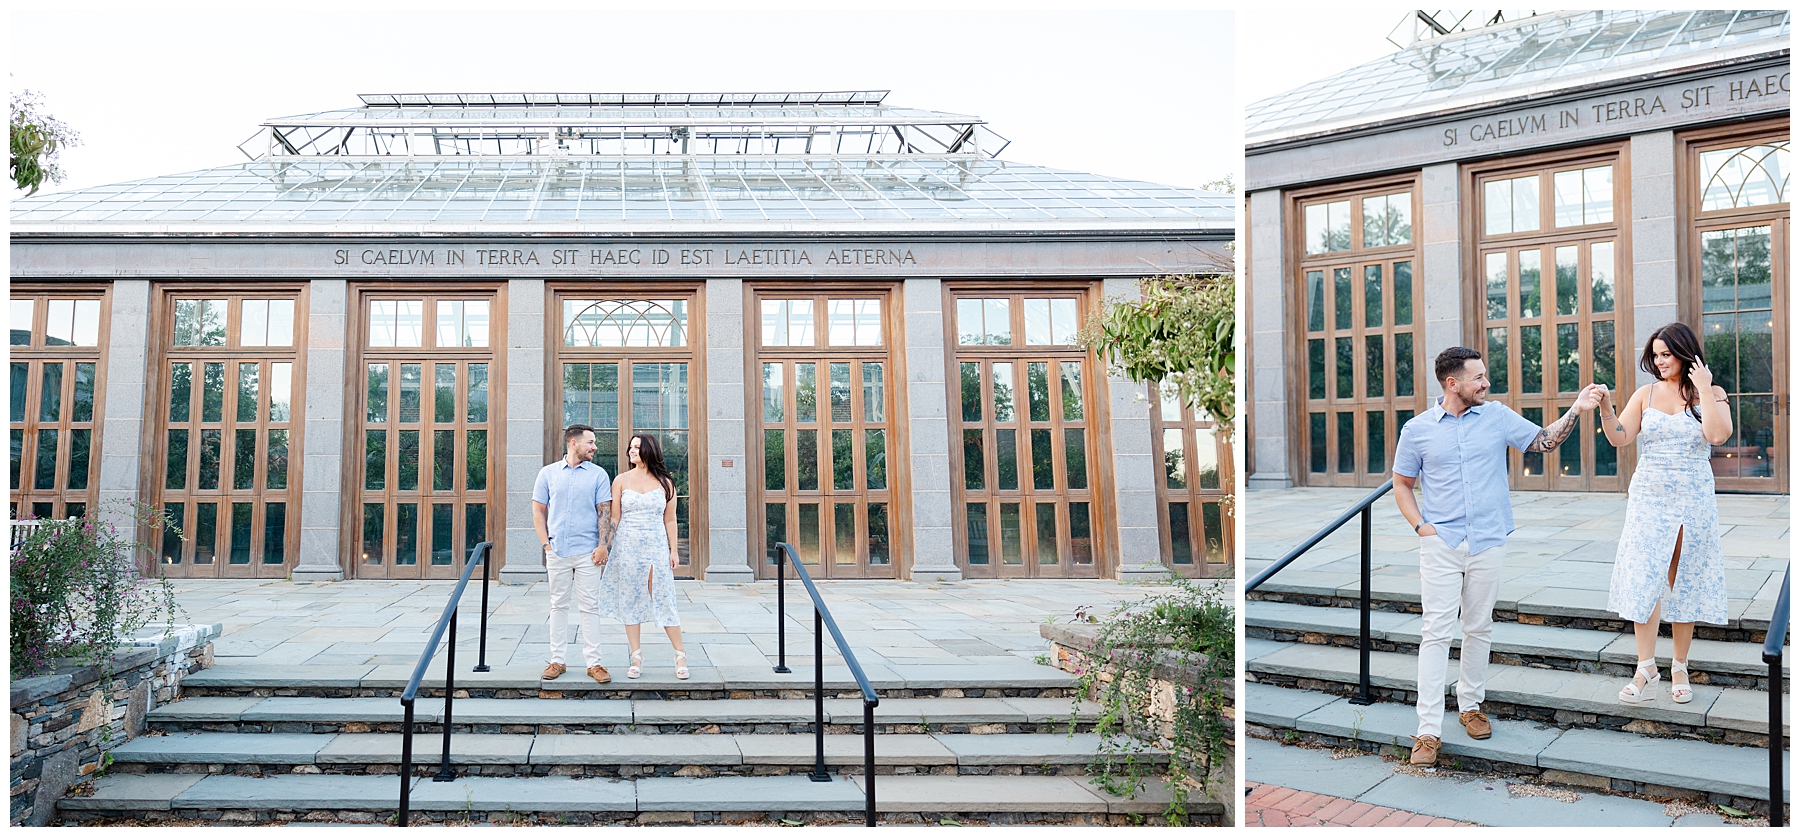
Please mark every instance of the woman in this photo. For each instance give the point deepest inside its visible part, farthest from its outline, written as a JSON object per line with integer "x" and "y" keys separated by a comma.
{"x": 639, "y": 585}
{"x": 1669, "y": 564}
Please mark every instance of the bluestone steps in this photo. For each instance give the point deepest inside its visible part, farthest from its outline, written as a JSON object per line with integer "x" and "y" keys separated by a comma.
{"x": 1554, "y": 673}
{"x": 609, "y": 755}
{"x": 1736, "y": 664}
{"x": 564, "y": 799}
{"x": 1563, "y": 698}
{"x": 1587, "y": 757}
{"x": 495, "y": 715}
{"x": 270, "y": 744}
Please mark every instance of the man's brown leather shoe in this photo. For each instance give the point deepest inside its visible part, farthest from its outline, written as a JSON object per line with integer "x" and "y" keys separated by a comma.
{"x": 1476, "y": 722}
{"x": 554, "y": 670}
{"x": 599, "y": 674}
{"x": 1425, "y": 750}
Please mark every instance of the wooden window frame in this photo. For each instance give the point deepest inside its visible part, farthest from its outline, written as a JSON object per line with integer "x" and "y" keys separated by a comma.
{"x": 153, "y": 482}
{"x": 356, "y": 394}
{"x": 693, "y": 354}
{"x": 1096, "y": 422}
{"x": 1547, "y": 238}
{"x": 35, "y": 355}
{"x": 1192, "y": 428}
{"x": 1360, "y": 404}
{"x": 1693, "y": 221}
{"x": 897, "y": 495}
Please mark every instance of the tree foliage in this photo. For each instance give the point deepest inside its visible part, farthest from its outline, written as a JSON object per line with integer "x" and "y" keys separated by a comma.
{"x": 37, "y": 140}
{"x": 1181, "y": 333}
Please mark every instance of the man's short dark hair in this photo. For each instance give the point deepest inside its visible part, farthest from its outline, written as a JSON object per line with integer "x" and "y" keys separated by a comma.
{"x": 1450, "y": 361}
{"x": 574, "y": 431}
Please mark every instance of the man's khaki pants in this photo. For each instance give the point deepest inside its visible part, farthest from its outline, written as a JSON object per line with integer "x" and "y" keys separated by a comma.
{"x": 577, "y": 577}
{"x": 1453, "y": 582}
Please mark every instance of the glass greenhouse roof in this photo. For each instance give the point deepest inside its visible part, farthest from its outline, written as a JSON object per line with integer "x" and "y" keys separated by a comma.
{"x": 622, "y": 124}
{"x": 444, "y": 194}
{"x": 1532, "y": 55}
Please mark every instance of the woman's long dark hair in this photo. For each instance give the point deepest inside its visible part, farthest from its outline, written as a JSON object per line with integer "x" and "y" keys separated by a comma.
{"x": 1681, "y": 343}
{"x": 650, "y": 453}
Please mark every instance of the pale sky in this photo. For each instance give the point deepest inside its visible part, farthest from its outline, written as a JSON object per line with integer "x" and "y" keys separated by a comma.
{"x": 1147, "y": 96}
{"x": 1281, "y": 49}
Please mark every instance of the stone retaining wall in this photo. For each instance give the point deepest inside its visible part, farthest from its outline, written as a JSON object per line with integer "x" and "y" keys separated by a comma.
{"x": 64, "y": 722}
{"x": 1070, "y": 650}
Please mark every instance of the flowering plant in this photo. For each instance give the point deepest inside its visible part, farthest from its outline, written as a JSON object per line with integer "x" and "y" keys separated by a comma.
{"x": 77, "y": 591}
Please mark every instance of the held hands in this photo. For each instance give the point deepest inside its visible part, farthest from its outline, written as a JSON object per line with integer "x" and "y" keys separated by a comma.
{"x": 1591, "y": 396}
{"x": 599, "y": 555}
{"x": 1702, "y": 377}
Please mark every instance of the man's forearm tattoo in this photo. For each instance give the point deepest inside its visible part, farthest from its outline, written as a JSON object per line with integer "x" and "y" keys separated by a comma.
{"x": 1553, "y": 435}
{"x": 606, "y": 530}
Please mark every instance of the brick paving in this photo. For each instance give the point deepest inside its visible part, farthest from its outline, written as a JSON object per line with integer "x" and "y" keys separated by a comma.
{"x": 1276, "y": 806}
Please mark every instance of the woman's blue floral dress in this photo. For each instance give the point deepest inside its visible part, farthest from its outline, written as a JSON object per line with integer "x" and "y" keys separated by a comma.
{"x": 638, "y": 585}
{"x": 1671, "y": 492}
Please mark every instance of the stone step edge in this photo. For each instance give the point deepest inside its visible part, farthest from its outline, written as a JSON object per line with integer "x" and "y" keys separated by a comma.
{"x": 1456, "y": 743}
{"x": 517, "y": 749}
{"x": 837, "y": 711}
{"x": 554, "y": 794}
{"x": 1351, "y": 593}
{"x": 1695, "y": 662}
{"x": 1350, "y": 674}
{"x": 703, "y": 678}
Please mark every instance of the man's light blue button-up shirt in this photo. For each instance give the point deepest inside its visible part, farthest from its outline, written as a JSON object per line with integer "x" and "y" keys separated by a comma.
{"x": 1460, "y": 462}
{"x": 572, "y": 495}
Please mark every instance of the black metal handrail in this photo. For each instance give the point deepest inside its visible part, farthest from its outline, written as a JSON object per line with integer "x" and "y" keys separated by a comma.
{"x": 1773, "y": 649}
{"x": 478, "y": 555}
{"x": 1363, "y": 507}
{"x": 822, "y": 622}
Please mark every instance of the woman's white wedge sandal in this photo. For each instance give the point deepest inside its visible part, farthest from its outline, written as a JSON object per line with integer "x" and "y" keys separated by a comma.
{"x": 1679, "y": 692}
{"x": 637, "y": 665}
{"x": 1634, "y": 693}
{"x": 681, "y": 669}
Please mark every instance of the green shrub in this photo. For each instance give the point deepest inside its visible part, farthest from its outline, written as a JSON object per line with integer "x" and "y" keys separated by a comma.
{"x": 1186, "y": 637}
{"x": 77, "y": 592}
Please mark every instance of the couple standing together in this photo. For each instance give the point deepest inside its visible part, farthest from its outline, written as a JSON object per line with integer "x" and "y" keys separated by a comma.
{"x": 609, "y": 545}
{"x": 1668, "y": 566}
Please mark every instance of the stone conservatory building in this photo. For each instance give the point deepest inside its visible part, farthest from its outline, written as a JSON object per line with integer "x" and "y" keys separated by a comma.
{"x": 851, "y": 325}
{"x": 1548, "y": 191}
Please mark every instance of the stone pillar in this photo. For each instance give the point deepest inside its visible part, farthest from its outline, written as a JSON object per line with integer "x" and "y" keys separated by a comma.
{"x": 127, "y": 358}
{"x": 525, "y": 428}
{"x": 927, "y": 433}
{"x": 1267, "y": 425}
{"x": 1440, "y": 230}
{"x": 1655, "y": 301}
{"x": 322, "y": 467}
{"x": 1133, "y": 465}
{"x": 727, "y": 509}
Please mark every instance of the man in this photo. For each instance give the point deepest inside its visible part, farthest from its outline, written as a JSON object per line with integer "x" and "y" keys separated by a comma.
{"x": 1456, "y": 452}
{"x": 571, "y": 506}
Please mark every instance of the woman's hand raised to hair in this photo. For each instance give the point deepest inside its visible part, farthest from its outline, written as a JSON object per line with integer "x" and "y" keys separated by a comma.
{"x": 1701, "y": 376}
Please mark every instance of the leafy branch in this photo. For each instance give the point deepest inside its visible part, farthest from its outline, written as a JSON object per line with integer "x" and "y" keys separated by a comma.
{"x": 1181, "y": 333}
{"x": 37, "y": 141}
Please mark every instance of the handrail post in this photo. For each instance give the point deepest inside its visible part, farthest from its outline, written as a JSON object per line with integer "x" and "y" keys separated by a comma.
{"x": 1776, "y": 744}
{"x": 445, "y": 774}
{"x": 481, "y": 663}
{"x": 406, "y": 731}
{"x": 1774, "y": 651}
{"x": 819, "y": 774}
{"x": 781, "y": 666}
{"x": 869, "y": 763}
{"x": 1363, "y": 698}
